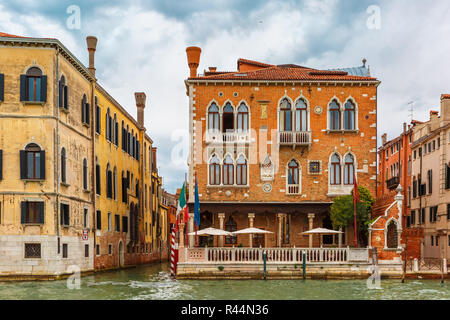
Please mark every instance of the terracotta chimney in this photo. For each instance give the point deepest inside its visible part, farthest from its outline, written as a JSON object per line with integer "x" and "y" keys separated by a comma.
{"x": 212, "y": 69}
{"x": 140, "y": 104}
{"x": 92, "y": 46}
{"x": 193, "y": 57}
{"x": 384, "y": 138}
{"x": 445, "y": 108}
{"x": 404, "y": 127}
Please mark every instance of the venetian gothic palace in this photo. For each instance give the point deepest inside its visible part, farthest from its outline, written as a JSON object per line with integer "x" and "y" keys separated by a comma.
{"x": 79, "y": 183}
{"x": 273, "y": 145}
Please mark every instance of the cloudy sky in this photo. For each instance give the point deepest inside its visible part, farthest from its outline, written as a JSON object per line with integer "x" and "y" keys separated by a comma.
{"x": 141, "y": 47}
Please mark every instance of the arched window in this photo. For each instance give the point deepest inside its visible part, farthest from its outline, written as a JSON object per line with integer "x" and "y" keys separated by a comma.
{"x": 63, "y": 165}
{"x": 334, "y": 116}
{"x": 349, "y": 169}
{"x": 114, "y": 130}
{"x": 34, "y": 85}
{"x": 335, "y": 170}
{"x": 241, "y": 171}
{"x": 108, "y": 182}
{"x": 228, "y": 118}
{"x": 63, "y": 93}
{"x": 230, "y": 226}
{"x": 213, "y": 117}
{"x": 293, "y": 173}
{"x": 214, "y": 171}
{"x": 349, "y": 115}
{"x": 32, "y": 162}
{"x": 285, "y": 115}
{"x": 97, "y": 178}
{"x": 85, "y": 110}
{"x": 107, "y": 125}
{"x": 228, "y": 171}
{"x": 85, "y": 174}
{"x": 301, "y": 116}
{"x": 392, "y": 236}
{"x": 242, "y": 118}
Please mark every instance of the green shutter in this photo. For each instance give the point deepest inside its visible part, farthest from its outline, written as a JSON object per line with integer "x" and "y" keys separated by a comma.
{"x": 23, "y": 212}
{"x": 43, "y": 88}
{"x": 1, "y": 164}
{"x": 60, "y": 93}
{"x": 23, "y": 164}
{"x": 23, "y": 87}
{"x": 2, "y": 87}
{"x": 87, "y": 113}
{"x": 66, "y": 97}
{"x": 42, "y": 176}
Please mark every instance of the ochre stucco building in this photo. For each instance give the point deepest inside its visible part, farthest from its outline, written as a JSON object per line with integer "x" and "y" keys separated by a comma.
{"x": 77, "y": 171}
{"x": 273, "y": 145}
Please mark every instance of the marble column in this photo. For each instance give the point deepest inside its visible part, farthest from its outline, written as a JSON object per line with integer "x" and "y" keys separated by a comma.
{"x": 181, "y": 229}
{"x": 340, "y": 238}
{"x": 221, "y": 227}
{"x": 251, "y": 217}
{"x": 191, "y": 229}
{"x": 311, "y": 226}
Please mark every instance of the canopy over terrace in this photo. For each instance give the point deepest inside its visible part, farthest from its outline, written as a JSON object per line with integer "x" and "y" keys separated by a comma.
{"x": 320, "y": 232}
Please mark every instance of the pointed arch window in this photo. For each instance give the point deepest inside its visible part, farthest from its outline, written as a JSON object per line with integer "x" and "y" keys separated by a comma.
{"x": 228, "y": 118}
{"x": 241, "y": 171}
{"x": 63, "y": 165}
{"x": 85, "y": 111}
{"x": 228, "y": 171}
{"x": 107, "y": 126}
{"x": 334, "y": 116}
{"x": 349, "y": 115}
{"x": 108, "y": 182}
{"x": 392, "y": 235}
{"x": 285, "y": 115}
{"x": 242, "y": 118}
{"x": 335, "y": 170}
{"x": 349, "y": 169}
{"x": 213, "y": 117}
{"x": 293, "y": 177}
{"x": 214, "y": 171}
{"x": 301, "y": 116}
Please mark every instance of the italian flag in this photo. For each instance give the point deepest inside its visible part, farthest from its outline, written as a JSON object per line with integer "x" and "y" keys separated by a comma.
{"x": 182, "y": 205}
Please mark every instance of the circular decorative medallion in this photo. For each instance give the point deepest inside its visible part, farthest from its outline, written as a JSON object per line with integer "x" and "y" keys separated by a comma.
{"x": 267, "y": 187}
{"x": 318, "y": 109}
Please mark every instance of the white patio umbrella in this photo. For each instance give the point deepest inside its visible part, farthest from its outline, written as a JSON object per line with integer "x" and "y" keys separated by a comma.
{"x": 321, "y": 231}
{"x": 251, "y": 231}
{"x": 211, "y": 232}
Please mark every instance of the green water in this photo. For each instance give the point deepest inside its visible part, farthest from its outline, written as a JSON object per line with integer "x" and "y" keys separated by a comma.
{"x": 154, "y": 283}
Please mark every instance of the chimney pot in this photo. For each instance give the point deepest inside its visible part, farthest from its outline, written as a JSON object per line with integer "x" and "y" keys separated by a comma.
{"x": 92, "y": 46}
{"x": 384, "y": 138}
{"x": 193, "y": 58}
{"x": 212, "y": 69}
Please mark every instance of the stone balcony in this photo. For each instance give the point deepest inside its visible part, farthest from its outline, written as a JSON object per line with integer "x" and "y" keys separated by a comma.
{"x": 294, "y": 138}
{"x": 227, "y": 137}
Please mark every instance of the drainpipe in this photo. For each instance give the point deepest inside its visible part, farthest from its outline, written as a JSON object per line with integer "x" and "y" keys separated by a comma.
{"x": 58, "y": 224}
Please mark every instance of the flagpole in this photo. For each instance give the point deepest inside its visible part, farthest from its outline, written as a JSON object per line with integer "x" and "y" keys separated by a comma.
{"x": 355, "y": 190}
{"x": 185, "y": 197}
{"x": 195, "y": 222}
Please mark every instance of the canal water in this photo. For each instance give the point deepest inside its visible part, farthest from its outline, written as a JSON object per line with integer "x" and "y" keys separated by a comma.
{"x": 154, "y": 283}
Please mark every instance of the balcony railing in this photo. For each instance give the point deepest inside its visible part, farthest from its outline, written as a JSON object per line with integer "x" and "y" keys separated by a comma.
{"x": 227, "y": 137}
{"x": 294, "y": 138}
{"x": 393, "y": 183}
{"x": 293, "y": 189}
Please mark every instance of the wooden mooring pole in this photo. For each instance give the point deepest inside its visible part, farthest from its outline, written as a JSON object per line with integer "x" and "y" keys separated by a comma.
{"x": 265, "y": 261}
{"x": 304, "y": 265}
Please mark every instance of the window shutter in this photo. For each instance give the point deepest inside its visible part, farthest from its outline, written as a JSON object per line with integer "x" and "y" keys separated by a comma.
{"x": 137, "y": 151}
{"x": 61, "y": 214}
{"x": 97, "y": 179}
{"x": 61, "y": 94}
{"x": 23, "y": 212}
{"x": 23, "y": 164}
{"x": 1, "y": 164}
{"x": 2, "y": 87}
{"x": 83, "y": 111}
{"x": 42, "y": 176}
{"x": 87, "y": 113}
{"x": 43, "y": 88}
{"x": 23, "y": 87}
{"x": 99, "y": 220}
{"x": 66, "y": 97}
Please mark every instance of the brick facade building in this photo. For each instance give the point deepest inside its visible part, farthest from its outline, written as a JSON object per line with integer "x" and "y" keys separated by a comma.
{"x": 273, "y": 145}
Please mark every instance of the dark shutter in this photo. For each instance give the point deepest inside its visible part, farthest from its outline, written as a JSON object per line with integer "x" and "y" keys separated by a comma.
{"x": 124, "y": 224}
{"x": 87, "y": 113}
{"x": 61, "y": 94}
{"x": 23, "y": 164}
{"x": 43, "y": 88}
{"x": 42, "y": 176}
{"x": 66, "y": 97}
{"x": 83, "y": 111}
{"x": 99, "y": 220}
{"x": 1, "y": 164}
{"x": 23, "y": 212}
{"x": 97, "y": 179}
{"x": 23, "y": 87}
{"x": 2, "y": 87}
{"x": 137, "y": 151}
{"x": 61, "y": 214}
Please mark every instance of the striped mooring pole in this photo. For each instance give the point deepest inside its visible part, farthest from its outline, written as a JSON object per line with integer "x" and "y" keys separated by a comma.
{"x": 173, "y": 255}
